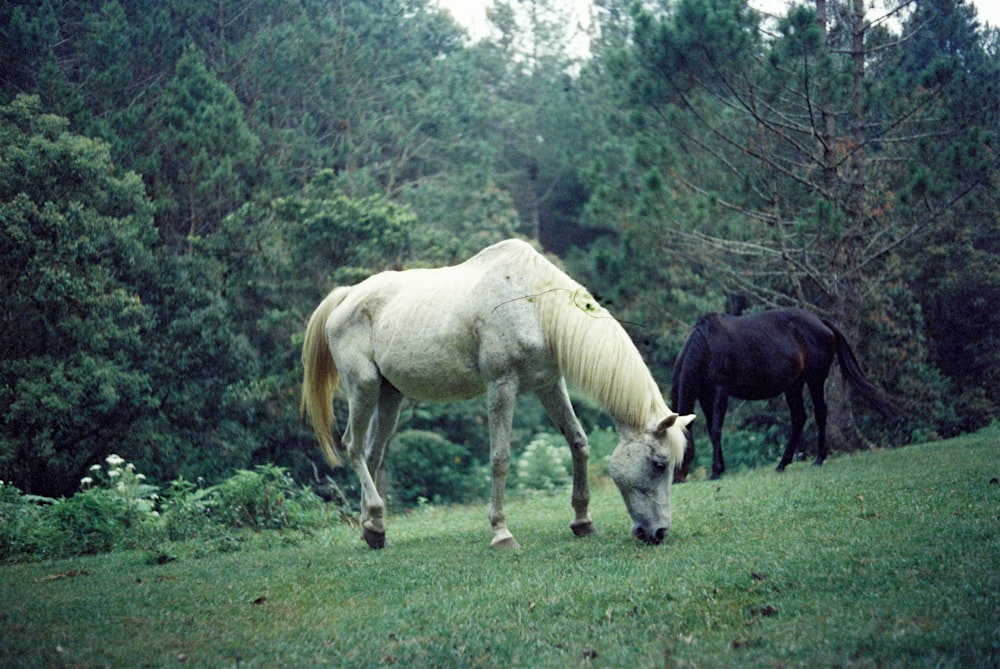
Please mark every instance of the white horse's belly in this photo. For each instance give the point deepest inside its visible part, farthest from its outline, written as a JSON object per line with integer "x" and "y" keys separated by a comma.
{"x": 429, "y": 359}
{"x": 431, "y": 377}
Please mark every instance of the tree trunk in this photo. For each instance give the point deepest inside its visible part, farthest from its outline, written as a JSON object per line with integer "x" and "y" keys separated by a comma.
{"x": 842, "y": 431}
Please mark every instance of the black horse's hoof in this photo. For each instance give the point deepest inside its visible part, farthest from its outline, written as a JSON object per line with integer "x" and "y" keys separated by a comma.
{"x": 374, "y": 540}
{"x": 817, "y": 463}
{"x": 780, "y": 469}
{"x": 583, "y": 529}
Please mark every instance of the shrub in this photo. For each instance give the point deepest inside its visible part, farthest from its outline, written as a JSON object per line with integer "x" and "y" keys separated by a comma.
{"x": 263, "y": 499}
{"x": 424, "y": 466}
{"x": 545, "y": 465}
{"x": 114, "y": 509}
{"x": 186, "y": 510}
{"x": 603, "y": 441}
{"x": 19, "y": 522}
{"x": 757, "y": 446}
{"x": 84, "y": 524}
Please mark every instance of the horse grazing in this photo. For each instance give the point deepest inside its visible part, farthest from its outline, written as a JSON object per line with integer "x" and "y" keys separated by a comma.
{"x": 757, "y": 357}
{"x": 504, "y": 322}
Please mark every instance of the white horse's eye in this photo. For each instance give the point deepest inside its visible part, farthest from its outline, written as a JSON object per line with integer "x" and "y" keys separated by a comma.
{"x": 659, "y": 466}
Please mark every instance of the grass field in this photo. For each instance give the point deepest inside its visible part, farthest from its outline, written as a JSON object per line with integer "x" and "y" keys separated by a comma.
{"x": 884, "y": 559}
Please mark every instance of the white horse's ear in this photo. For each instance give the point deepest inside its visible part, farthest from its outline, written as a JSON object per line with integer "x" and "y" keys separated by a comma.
{"x": 673, "y": 419}
{"x": 661, "y": 430}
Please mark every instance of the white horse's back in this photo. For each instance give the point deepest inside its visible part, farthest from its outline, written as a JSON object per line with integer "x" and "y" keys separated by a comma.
{"x": 442, "y": 334}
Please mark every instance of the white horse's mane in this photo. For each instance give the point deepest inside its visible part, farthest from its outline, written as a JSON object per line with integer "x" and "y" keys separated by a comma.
{"x": 594, "y": 352}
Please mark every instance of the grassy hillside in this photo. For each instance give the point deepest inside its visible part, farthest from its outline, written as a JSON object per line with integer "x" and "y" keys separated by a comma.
{"x": 885, "y": 559}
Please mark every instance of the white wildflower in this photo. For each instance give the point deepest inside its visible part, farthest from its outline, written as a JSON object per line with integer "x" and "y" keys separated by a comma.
{"x": 115, "y": 460}
{"x": 86, "y": 481}
{"x": 114, "y": 472}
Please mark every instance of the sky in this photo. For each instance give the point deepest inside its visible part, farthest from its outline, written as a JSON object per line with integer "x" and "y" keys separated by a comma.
{"x": 472, "y": 13}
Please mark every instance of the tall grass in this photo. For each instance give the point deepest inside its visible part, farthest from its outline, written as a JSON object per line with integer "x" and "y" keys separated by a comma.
{"x": 885, "y": 559}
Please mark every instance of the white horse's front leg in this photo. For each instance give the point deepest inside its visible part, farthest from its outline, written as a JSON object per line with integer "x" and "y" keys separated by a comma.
{"x": 500, "y": 396}
{"x": 556, "y": 402}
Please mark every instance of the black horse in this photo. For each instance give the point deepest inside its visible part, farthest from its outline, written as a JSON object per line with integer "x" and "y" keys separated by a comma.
{"x": 760, "y": 356}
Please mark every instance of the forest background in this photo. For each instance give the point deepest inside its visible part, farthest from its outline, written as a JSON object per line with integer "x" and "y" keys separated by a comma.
{"x": 182, "y": 182}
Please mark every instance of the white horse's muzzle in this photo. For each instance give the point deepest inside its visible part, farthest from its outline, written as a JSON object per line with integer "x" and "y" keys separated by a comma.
{"x": 649, "y": 535}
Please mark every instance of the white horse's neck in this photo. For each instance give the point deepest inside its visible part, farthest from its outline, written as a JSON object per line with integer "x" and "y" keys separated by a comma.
{"x": 597, "y": 356}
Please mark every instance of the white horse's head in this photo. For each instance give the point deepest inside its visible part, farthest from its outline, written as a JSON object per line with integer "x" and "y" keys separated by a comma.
{"x": 642, "y": 466}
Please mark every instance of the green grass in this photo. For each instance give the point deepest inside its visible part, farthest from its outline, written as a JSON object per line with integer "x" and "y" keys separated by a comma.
{"x": 884, "y": 559}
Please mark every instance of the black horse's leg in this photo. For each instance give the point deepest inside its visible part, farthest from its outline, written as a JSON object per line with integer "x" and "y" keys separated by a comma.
{"x": 715, "y": 418}
{"x": 793, "y": 397}
{"x": 819, "y": 411}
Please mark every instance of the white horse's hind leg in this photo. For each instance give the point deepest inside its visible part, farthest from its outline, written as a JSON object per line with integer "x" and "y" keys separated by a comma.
{"x": 380, "y": 430}
{"x": 362, "y": 399}
{"x": 556, "y": 402}
{"x": 500, "y": 397}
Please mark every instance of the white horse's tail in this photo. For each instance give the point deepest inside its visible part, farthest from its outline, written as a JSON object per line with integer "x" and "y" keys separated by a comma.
{"x": 320, "y": 378}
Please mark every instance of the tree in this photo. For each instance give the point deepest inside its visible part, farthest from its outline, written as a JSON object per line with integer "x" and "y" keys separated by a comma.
{"x": 767, "y": 148}
{"x": 949, "y": 198}
{"x": 72, "y": 378}
{"x": 542, "y": 126}
{"x": 205, "y": 150}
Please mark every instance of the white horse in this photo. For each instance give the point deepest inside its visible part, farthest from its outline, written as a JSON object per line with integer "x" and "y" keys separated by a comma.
{"x": 504, "y": 322}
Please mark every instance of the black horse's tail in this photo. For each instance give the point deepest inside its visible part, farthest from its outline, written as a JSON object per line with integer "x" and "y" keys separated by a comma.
{"x": 852, "y": 372}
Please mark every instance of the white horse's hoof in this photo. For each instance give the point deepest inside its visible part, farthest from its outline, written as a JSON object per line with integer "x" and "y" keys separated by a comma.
{"x": 507, "y": 543}
{"x": 374, "y": 539}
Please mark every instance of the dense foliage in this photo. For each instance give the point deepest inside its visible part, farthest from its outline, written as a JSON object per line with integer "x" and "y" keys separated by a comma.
{"x": 180, "y": 183}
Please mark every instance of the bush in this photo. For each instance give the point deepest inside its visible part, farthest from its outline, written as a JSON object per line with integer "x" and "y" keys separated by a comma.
{"x": 424, "y": 466}
{"x": 755, "y": 446}
{"x": 87, "y": 523}
{"x": 264, "y": 499}
{"x": 19, "y": 523}
{"x": 186, "y": 510}
{"x": 603, "y": 441}
{"x": 545, "y": 465}
{"x": 116, "y": 509}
